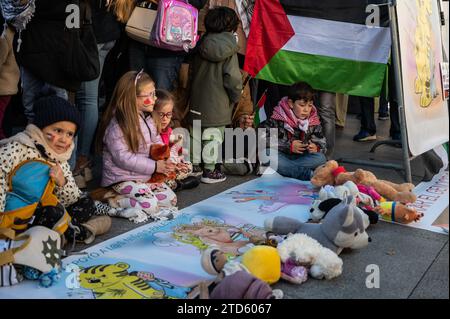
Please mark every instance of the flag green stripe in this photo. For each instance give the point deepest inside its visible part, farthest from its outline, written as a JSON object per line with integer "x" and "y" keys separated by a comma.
{"x": 342, "y": 76}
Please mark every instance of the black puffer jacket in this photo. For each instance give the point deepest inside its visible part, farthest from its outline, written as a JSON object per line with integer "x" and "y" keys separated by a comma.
{"x": 45, "y": 44}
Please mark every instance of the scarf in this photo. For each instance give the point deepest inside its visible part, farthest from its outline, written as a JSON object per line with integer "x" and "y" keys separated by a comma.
{"x": 34, "y": 137}
{"x": 17, "y": 15}
{"x": 283, "y": 112}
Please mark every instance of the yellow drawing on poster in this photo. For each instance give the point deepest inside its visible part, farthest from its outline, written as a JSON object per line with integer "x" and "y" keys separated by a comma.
{"x": 425, "y": 81}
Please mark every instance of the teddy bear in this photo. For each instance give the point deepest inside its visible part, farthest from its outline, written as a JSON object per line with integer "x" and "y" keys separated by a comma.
{"x": 160, "y": 152}
{"x": 322, "y": 262}
{"x": 343, "y": 227}
{"x": 398, "y": 212}
{"x": 331, "y": 173}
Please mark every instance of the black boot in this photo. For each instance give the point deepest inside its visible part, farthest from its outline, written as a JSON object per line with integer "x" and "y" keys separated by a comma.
{"x": 187, "y": 183}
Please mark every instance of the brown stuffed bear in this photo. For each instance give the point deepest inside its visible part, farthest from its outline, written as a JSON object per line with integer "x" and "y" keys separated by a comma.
{"x": 160, "y": 152}
{"x": 397, "y": 212}
{"x": 331, "y": 173}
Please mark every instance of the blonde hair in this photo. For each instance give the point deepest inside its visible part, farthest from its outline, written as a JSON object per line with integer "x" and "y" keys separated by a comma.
{"x": 123, "y": 108}
{"x": 122, "y": 9}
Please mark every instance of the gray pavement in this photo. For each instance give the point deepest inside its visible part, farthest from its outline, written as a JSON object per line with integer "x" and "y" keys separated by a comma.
{"x": 412, "y": 263}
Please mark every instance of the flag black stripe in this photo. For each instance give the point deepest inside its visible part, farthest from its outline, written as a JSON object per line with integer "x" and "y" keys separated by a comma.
{"x": 351, "y": 11}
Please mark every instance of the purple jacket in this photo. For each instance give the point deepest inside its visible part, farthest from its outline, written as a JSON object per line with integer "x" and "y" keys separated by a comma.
{"x": 119, "y": 163}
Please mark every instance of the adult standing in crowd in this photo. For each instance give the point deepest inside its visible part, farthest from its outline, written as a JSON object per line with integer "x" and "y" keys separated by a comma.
{"x": 16, "y": 16}
{"x": 161, "y": 64}
{"x": 107, "y": 31}
{"x": 52, "y": 54}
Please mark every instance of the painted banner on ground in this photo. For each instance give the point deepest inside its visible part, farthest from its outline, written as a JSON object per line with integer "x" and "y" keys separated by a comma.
{"x": 426, "y": 112}
{"x": 163, "y": 260}
{"x": 432, "y": 200}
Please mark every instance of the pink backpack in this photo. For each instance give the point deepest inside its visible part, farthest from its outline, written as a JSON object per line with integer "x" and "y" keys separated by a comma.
{"x": 175, "y": 27}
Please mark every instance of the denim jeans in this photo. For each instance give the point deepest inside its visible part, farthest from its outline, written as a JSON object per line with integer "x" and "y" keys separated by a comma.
{"x": 327, "y": 112}
{"x": 86, "y": 100}
{"x": 163, "y": 70}
{"x": 31, "y": 88}
{"x": 300, "y": 166}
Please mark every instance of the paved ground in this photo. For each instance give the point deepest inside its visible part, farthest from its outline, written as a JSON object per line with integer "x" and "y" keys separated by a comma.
{"x": 413, "y": 263}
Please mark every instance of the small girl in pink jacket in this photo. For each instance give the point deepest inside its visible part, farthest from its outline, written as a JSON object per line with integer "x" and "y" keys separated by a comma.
{"x": 126, "y": 132}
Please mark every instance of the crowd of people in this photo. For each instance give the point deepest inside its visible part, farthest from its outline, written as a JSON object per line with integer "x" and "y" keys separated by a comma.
{"x": 59, "y": 73}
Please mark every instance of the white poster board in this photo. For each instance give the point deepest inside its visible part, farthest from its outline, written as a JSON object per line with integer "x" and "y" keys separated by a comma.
{"x": 426, "y": 112}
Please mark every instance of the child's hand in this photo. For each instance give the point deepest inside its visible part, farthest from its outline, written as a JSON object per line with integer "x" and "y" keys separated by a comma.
{"x": 298, "y": 147}
{"x": 57, "y": 174}
{"x": 246, "y": 121}
{"x": 165, "y": 167}
{"x": 312, "y": 148}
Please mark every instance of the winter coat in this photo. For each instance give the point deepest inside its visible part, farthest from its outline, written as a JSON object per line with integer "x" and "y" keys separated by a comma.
{"x": 106, "y": 27}
{"x": 46, "y": 43}
{"x": 122, "y": 165}
{"x": 9, "y": 71}
{"x": 285, "y": 138}
{"x": 217, "y": 82}
{"x": 22, "y": 147}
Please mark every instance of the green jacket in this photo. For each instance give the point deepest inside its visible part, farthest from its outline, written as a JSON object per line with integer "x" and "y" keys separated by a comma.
{"x": 217, "y": 82}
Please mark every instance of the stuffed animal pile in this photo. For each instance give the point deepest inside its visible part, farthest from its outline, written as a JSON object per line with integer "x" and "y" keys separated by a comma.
{"x": 375, "y": 198}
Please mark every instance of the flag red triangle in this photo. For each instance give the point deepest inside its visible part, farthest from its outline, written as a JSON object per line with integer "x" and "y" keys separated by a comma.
{"x": 270, "y": 26}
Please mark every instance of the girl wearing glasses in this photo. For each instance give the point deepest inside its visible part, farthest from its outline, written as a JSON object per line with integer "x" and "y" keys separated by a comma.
{"x": 164, "y": 111}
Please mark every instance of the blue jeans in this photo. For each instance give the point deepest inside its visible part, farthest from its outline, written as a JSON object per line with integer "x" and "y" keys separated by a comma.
{"x": 31, "y": 88}
{"x": 86, "y": 100}
{"x": 163, "y": 70}
{"x": 300, "y": 166}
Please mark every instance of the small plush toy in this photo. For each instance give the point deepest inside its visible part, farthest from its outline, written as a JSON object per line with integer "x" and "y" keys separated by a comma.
{"x": 343, "y": 227}
{"x": 292, "y": 272}
{"x": 342, "y": 191}
{"x": 369, "y": 190}
{"x": 331, "y": 173}
{"x": 239, "y": 285}
{"x": 304, "y": 250}
{"x": 160, "y": 152}
{"x": 324, "y": 207}
{"x": 263, "y": 262}
{"x": 398, "y": 212}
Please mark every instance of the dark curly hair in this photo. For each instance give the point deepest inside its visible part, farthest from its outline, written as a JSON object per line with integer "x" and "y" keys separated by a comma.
{"x": 221, "y": 19}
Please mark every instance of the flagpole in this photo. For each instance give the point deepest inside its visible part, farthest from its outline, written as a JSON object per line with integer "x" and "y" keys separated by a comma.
{"x": 396, "y": 63}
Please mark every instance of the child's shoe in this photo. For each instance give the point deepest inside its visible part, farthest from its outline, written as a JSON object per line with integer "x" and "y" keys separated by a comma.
{"x": 196, "y": 171}
{"x": 212, "y": 177}
{"x": 187, "y": 183}
{"x": 80, "y": 181}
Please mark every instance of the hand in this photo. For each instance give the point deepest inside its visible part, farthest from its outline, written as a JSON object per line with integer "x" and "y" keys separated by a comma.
{"x": 57, "y": 174}
{"x": 298, "y": 147}
{"x": 312, "y": 148}
{"x": 165, "y": 167}
{"x": 246, "y": 121}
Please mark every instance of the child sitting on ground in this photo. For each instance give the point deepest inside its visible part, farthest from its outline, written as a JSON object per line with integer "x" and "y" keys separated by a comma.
{"x": 126, "y": 133}
{"x": 50, "y": 139}
{"x": 164, "y": 110}
{"x": 301, "y": 143}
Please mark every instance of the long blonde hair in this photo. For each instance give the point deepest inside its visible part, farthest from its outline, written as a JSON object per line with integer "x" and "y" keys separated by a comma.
{"x": 123, "y": 108}
{"x": 122, "y": 9}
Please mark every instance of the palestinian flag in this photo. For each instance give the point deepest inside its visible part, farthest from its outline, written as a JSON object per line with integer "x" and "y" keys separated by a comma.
{"x": 323, "y": 42}
{"x": 260, "y": 112}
